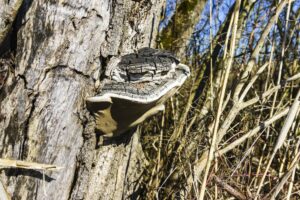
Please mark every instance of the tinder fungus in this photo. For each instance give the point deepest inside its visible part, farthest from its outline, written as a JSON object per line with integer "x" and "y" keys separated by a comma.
{"x": 136, "y": 86}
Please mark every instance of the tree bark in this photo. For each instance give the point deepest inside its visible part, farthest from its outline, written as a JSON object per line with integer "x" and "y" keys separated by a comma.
{"x": 61, "y": 49}
{"x": 176, "y": 35}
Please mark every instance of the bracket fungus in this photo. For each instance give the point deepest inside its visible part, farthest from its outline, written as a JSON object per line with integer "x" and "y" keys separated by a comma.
{"x": 136, "y": 86}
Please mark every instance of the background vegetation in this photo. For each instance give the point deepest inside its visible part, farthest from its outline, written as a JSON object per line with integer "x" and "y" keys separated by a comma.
{"x": 232, "y": 131}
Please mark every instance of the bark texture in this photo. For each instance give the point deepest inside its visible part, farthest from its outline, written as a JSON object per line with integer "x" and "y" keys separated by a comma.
{"x": 177, "y": 34}
{"x": 61, "y": 49}
{"x": 8, "y": 12}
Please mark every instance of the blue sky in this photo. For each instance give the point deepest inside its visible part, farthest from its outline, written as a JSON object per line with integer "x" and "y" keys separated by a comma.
{"x": 220, "y": 10}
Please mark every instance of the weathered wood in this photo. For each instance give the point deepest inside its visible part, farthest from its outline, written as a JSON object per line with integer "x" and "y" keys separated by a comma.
{"x": 62, "y": 48}
{"x": 8, "y": 13}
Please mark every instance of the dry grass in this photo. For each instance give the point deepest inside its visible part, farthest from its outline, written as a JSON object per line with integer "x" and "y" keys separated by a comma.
{"x": 236, "y": 134}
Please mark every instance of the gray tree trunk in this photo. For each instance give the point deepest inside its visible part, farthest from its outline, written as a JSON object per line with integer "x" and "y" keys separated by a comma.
{"x": 61, "y": 48}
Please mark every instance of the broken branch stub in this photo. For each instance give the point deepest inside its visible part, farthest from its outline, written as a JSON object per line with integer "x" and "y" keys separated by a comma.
{"x": 136, "y": 87}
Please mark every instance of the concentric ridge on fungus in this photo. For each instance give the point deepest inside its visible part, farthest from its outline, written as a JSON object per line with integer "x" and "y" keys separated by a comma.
{"x": 136, "y": 87}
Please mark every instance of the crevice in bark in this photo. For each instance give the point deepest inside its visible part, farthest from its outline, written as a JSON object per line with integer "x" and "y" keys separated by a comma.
{"x": 84, "y": 161}
{"x": 104, "y": 62}
{"x": 23, "y": 147}
{"x": 4, "y": 46}
{"x": 22, "y": 77}
{"x": 6, "y": 72}
{"x": 8, "y": 17}
{"x": 17, "y": 24}
{"x": 86, "y": 135}
{"x": 75, "y": 71}
{"x": 74, "y": 181}
{"x": 14, "y": 130}
{"x": 115, "y": 29}
{"x": 9, "y": 136}
{"x": 126, "y": 171}
{"x": 138, "y": 189}
{"x": 152, "y": 28}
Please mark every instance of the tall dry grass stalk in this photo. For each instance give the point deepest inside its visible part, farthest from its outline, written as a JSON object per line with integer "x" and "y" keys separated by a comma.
{"x": 221, "y": 98}
{"x": 234, "y": 129}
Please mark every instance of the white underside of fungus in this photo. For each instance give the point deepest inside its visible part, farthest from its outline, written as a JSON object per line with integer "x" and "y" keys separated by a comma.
{"x": 124, "y": 103}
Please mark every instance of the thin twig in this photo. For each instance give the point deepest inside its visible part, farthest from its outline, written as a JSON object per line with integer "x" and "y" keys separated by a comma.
{"x": 27, "y": 165}
{"x": 257, "y": 49}
{"x": 283, "y": 133}
{"x": 253, "y": 132}
{"x": 221, "y": 99}
{"x": 230, "y": 189}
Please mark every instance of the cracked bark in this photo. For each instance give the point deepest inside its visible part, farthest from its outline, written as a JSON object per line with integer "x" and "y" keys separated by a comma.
{"x": 8, "y": 13}
{"x": 60, "y": 51}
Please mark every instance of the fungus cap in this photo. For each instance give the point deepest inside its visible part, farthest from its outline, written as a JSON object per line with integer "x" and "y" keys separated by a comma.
{"x": 136, "y": 87}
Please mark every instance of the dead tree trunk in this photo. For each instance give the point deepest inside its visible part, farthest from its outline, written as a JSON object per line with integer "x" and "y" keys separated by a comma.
{"x": 60, "y": 50}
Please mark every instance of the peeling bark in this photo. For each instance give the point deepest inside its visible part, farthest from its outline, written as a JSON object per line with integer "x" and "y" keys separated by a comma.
{"x": 61, "y": 50}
